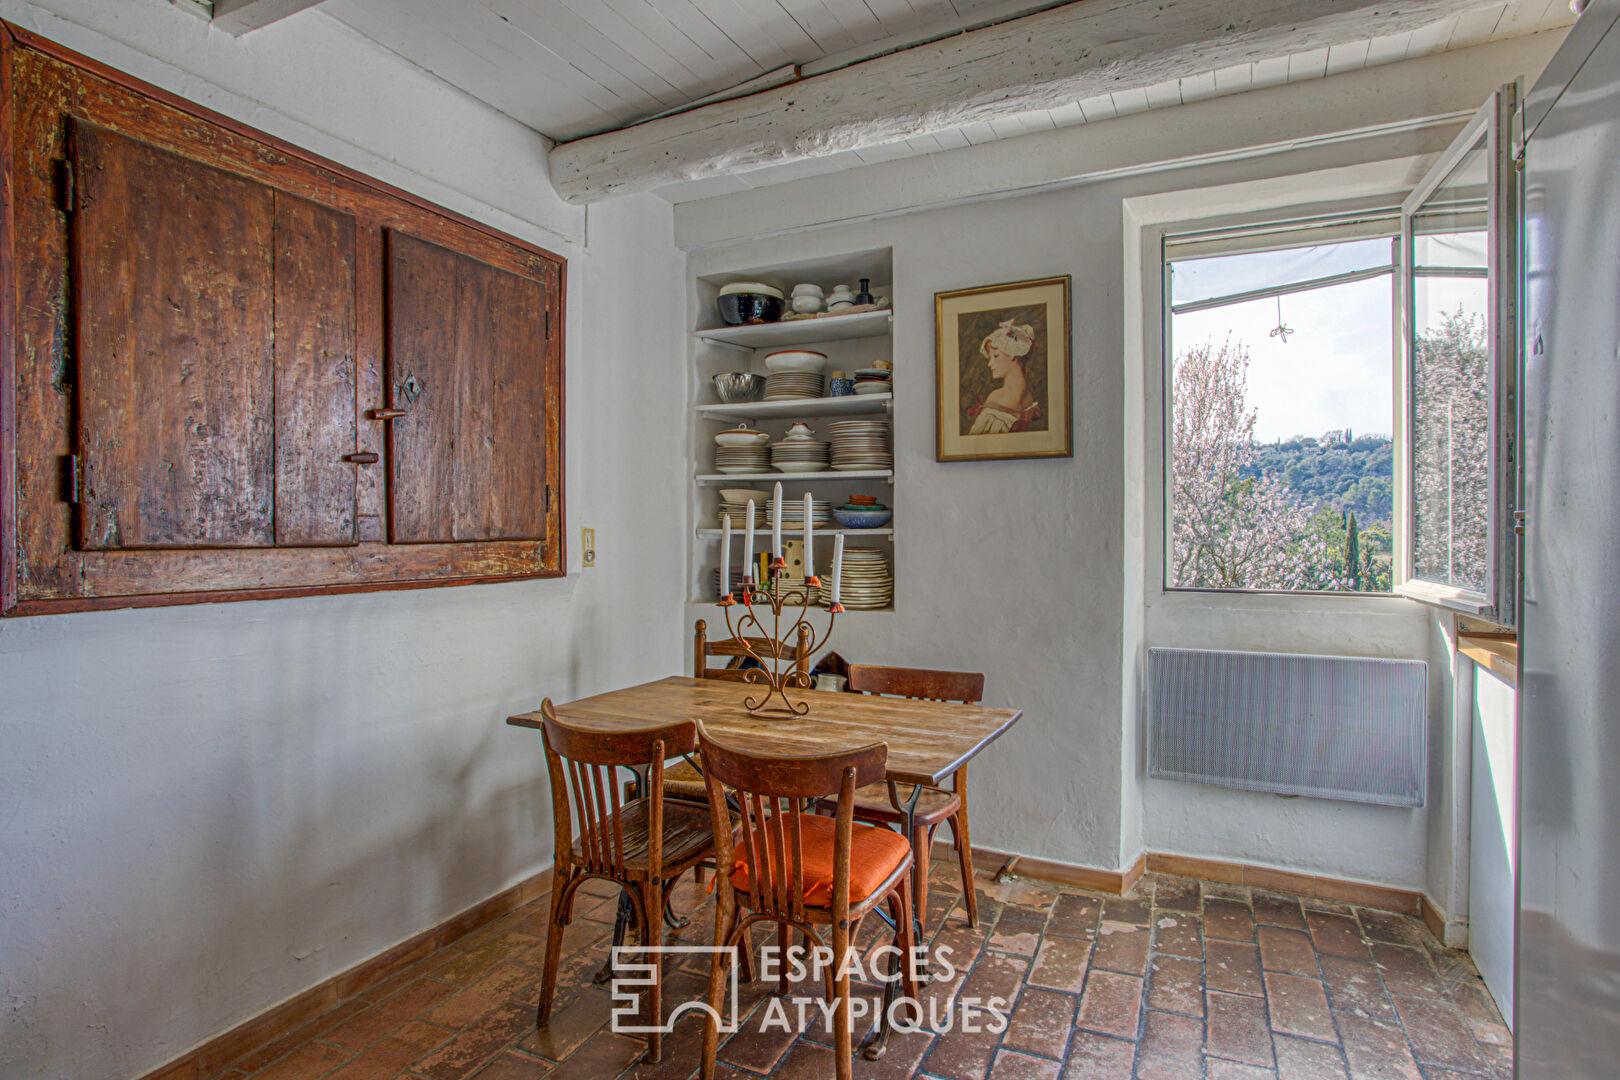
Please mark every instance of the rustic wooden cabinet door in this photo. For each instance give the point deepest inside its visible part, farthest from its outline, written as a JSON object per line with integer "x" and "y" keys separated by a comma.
{"x": 466, "y": 361}
{"x": 315, "y": 374}
{"x": 176, "y": 406}
{"x": 216, "y": 321}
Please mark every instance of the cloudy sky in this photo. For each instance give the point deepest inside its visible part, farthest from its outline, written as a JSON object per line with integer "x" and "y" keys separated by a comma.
{"x": 1335, "y": 369}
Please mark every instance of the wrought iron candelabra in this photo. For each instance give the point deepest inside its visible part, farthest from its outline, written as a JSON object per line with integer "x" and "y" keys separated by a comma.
{"x": 770, "y": 650}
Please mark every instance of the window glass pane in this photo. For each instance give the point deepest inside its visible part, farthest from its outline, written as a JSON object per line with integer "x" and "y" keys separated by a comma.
{"x": 1448, "y": 249}
{"x": 1281, "y": 465}
{"x": 1193, "y": 280}
{"x": 1451, "y": 384}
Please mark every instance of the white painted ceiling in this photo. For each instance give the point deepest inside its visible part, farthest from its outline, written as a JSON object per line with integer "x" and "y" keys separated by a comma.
{"x": 569, "y": 68}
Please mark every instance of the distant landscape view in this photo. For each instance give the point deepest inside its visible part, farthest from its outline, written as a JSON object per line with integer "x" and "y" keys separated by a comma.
{"x": 1311, "y": 512}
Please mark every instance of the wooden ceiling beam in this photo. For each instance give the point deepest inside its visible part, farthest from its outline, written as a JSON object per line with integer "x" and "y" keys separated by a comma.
{"x": 237, "y": 17}
{"x": 1039, "y": 61}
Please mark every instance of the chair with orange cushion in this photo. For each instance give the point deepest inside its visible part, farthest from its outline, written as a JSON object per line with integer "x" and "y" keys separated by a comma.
{"x": 935, "y": 806}
{"x": 642, "y": 844}
{"x": 801, "y": 870}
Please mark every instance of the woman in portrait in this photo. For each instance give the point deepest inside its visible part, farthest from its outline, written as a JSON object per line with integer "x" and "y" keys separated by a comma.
{"x": 1010, "y": 407}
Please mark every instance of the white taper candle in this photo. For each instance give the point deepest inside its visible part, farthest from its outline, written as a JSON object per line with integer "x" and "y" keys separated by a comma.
{"x": 809, "y": 540}
{"x": 725, "y": 557}
{"x": 838, "y": 565}
{"x": 776, "y": 522}
{"x": 748, "y": 544}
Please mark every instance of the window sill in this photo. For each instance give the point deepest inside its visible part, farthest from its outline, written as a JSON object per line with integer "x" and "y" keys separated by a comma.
{"x": 1446, "y": 596}
{"x": 1496, "y": 653}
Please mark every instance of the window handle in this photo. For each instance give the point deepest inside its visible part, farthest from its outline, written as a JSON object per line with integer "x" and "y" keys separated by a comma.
{"x": 366, "y": 458}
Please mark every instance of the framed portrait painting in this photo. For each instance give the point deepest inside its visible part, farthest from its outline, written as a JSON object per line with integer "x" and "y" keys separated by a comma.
{"x": 1004, "y": 384}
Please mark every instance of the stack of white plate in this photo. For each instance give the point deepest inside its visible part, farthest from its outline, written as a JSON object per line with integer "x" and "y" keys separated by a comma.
{"x": 742, "y": 459}
{"x": 738, "y": 513}
{"x": 867, "y": 582}
{"x": 873, "y": 381}
{"x": 860, "y": 444}
{"x": 789, "y": 385}
{"x": 787, "y": 585}
{"x": 793, "y": 514}
{"x": 800, "y": 455}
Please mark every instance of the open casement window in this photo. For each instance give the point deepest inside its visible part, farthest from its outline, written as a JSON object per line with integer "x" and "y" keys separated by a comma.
{"x": 1458, "y": 318}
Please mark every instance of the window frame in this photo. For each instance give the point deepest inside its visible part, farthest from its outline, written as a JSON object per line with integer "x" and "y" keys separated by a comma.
{"x": 1494, "y": 121}
{"x": 1255, "y": 226}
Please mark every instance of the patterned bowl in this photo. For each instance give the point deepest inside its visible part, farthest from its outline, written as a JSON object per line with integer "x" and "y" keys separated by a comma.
{"x": 862, "y": 519}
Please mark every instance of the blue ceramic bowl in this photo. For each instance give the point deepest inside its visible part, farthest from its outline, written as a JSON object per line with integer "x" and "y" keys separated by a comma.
{"x": 862, "y": 519}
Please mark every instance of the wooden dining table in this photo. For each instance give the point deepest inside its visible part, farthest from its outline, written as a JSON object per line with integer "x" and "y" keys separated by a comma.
{"x": 928, "y": 740}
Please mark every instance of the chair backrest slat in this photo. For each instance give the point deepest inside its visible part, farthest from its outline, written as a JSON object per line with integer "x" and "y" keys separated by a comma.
{"x": 771, "y": 793}
{"x": 583, "y": 764}
{"x": 917, "y": 683}
{"x": 702, "y": 648}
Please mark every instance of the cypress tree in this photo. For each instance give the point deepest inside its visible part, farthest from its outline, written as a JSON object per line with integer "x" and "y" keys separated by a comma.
{"x": 1352, "y": 553}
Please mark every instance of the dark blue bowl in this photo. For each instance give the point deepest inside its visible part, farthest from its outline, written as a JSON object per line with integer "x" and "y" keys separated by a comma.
{"x": 738, "y": 309}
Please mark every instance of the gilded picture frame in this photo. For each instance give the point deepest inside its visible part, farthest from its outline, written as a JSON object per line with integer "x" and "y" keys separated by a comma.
{"x": 1004, "y": 381}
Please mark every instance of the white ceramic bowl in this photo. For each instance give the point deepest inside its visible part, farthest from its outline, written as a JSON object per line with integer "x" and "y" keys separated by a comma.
{"x": 751, "y": 287}
{"x": 742, "y": 495}
{"x": 800, "y": 466}
{"x": 872, "y": 387}
{"x": 806, "y": 303}
{"x": 796, "y": 360}
{"x": 806, "y": 289}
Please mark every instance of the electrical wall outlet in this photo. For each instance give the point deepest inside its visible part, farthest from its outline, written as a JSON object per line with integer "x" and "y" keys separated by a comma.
{"x": 587, "y": 547}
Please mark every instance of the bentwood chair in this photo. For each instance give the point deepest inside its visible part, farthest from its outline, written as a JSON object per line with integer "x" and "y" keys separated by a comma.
{"x": 935, "y": 806}
{"x": 801, "y": 870}
{"x": 642, "y": 844}
{"x": 681, "y": 780}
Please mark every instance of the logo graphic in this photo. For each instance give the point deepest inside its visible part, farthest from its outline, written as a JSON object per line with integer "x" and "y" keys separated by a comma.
{"x": 634, "y": 973}
{"x": 630, "y": 976}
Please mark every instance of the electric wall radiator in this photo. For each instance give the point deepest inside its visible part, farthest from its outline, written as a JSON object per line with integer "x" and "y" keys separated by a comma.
{"x": 1332, "y": 727}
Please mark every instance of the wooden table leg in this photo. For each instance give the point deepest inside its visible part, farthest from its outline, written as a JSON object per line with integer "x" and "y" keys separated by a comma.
{"x": 920, "y": 843}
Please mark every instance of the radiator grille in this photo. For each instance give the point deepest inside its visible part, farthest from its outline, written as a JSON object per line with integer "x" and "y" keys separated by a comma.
{"x": 1331, "y": 727}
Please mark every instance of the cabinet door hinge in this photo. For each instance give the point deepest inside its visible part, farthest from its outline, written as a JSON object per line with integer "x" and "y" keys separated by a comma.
{"x": 547, "y": 507}
{"x": 65, "y": 196}
{"x": 548, "y": 324}
{"x": 70, "y": 478}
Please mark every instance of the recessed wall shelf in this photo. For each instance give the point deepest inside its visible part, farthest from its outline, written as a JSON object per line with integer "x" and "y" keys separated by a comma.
{"x": 802, "y": 331}
{"x": 744, "y": 479}
{"x": 863, "y": 422}
{"x": 800, "y": 408}
{"x": 795, "y": 531}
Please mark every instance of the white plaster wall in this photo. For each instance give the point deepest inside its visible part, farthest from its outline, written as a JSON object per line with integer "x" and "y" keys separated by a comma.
{"x": 1037, "y": 573}
{"x": 1494, "y": 834}
{"x": 205, "y": 810}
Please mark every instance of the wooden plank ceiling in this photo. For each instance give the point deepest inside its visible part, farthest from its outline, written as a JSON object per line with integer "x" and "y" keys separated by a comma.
{"x": 571, "y": 68}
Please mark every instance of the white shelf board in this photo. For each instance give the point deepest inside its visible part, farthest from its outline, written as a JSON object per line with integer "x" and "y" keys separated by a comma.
{"x": 815, "y": 609}
{"x": 744, "y": 479}
{"x": 803, "y": 331}
{"x": 796, "y": 532}
{"x": 848, "y": 405}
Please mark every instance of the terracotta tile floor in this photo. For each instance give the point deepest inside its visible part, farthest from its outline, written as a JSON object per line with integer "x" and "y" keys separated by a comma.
{"x": 1180, "y": 979}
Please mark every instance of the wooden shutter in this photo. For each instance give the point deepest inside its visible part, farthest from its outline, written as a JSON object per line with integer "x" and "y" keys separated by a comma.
{"x": 466, "y": 361}
{"x": 216, "y": 321}
{"x": 174, "y": 322}
{"x": 315, "y": 374}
